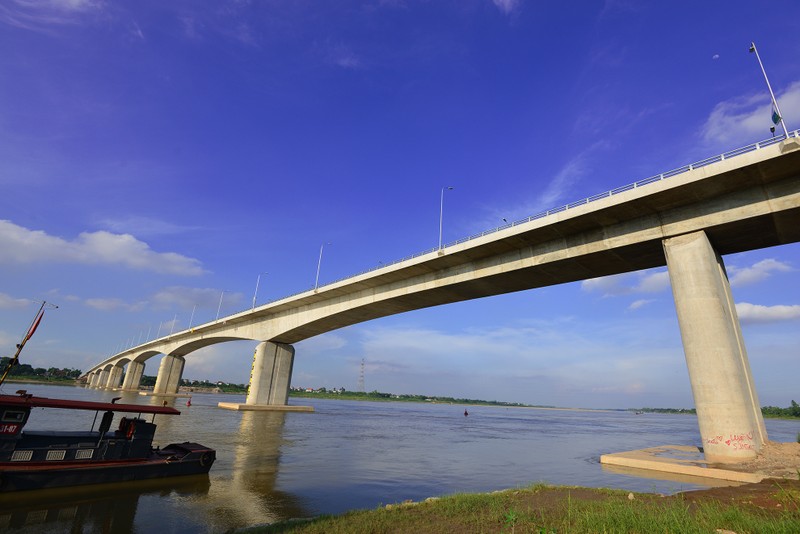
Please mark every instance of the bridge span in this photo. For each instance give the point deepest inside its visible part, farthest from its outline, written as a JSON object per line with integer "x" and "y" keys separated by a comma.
{"x": 686, "y": 219}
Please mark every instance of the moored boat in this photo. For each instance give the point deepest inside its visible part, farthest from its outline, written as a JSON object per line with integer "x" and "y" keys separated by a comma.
{"x": 36, "y": 459}
{"x": 48, "y": 459}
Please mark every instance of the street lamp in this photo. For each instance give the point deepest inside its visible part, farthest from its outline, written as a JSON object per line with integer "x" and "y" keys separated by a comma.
{"x": 220, "y": 304}
{"x": 319, "y": 263}
{"x": 776, "y": 116}
{"x": 441, "y": 214}
{"x": 255, "y": 293}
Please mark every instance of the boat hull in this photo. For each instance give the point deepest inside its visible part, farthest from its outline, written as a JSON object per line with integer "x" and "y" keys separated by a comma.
{"x": 174, "y": 460}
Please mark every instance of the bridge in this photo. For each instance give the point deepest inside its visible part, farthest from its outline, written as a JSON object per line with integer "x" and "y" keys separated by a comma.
{"x": 686, "y": 219}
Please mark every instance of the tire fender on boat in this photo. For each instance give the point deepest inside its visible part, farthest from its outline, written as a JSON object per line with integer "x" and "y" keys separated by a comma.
{"x": 206, "y": 459}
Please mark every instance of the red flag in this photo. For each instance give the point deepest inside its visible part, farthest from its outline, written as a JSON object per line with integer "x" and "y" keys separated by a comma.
{"x": 35, "y": 324}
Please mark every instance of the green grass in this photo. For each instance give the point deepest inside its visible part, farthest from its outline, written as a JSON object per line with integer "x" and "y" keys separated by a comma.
{"x": 544, "y": 509}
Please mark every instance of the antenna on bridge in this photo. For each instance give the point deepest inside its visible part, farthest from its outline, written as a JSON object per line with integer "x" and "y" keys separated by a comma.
{"x": 361, "y": 378}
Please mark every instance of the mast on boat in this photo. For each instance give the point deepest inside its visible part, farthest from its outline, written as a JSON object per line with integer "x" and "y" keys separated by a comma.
{"x": 34, "y": 324}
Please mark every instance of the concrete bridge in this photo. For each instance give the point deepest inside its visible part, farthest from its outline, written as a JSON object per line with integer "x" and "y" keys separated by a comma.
{"x": 686, "y": 219}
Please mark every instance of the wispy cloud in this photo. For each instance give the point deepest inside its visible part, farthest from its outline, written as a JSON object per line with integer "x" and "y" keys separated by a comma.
{"x": 91, "y": 248}
{"x": 41, "y": 15}
{"x": 757, "y": 272}
{"x": 755, "y": 313}
{"x": 113, "y": 304}
{"x": 144, "y": 226}
{"x": 742, "y": 119}
{"x": 628, "y": 283}
{"x": 7, "y": 302}
{"x": 507, "y": 6}
{"x": 187, "y": 298}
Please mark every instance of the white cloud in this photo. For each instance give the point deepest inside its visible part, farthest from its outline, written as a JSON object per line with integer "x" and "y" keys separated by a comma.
{"x": 8, "y": 302}
{"x": 755, "y": 313}
{"x": 188, "y": 297}
{"x": 628, "y": 283}
{"x": 635, "y": 305}
{"x": 757, "y": 272}
{"x": 507, "y": 6}
{"x": 91, "y": 248}
{"x": 113, "y": 304}
{"x": 744, "y": 119}
{"x": 42, "y": 14}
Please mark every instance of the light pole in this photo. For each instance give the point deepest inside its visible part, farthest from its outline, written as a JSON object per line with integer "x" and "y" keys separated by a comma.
{"x": 255, "y": 293}
{"x": 319, "y": 264}
{"x": 441, "y": 213}
{"x": 219, "y": 307}
{"x": 777, "y": 116}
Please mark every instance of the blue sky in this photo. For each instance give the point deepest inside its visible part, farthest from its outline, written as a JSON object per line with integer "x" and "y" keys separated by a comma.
{"x": 154, "y": 155}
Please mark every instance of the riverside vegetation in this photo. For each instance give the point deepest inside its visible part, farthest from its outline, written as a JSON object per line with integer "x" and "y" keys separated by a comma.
{"x": 769, "y": 506}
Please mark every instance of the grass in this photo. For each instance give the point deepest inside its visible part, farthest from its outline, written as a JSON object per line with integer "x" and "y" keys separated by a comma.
{"x": 552, "y": 509}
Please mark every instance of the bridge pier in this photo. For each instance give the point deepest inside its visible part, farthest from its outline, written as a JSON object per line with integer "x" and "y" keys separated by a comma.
{"x": 270, "y": 378}
{"x": 728, "y": 412}
{"x": 103, "y": 379}
{"x": 133, "y": 376}
{"x": 114, "y": 377}
{"x": 93, "y": 378}
{"x": 169, "y": 375}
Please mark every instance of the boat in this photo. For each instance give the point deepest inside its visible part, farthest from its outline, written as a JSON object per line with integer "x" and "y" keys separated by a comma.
{"x": 50, "y": 459}
{"x": 36, "y": 459}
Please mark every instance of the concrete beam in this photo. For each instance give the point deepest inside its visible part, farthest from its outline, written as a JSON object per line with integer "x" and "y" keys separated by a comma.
{"x": 728, "y": 412}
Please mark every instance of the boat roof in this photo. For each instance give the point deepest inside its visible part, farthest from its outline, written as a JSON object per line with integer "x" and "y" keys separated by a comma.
{"x": 31, "y": 401}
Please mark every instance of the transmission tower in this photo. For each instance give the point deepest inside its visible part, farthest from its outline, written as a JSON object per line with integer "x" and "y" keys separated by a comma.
{"x": 361, "y": 378}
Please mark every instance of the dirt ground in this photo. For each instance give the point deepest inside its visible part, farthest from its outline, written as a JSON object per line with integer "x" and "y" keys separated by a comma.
{"x": 776, "y": 459}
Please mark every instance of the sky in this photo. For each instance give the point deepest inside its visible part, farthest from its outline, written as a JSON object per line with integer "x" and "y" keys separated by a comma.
{"x": 158, "y": 160}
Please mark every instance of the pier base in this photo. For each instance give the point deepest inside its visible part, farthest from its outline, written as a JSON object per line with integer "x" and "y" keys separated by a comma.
{"x": 264, "y": 407}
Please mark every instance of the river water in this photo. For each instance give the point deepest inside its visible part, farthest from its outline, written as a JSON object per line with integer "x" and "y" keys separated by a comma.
{"x": 346, "y": 455}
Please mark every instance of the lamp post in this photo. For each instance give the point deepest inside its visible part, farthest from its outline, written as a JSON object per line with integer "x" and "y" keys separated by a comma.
{"x": 319, "y": 264}
{"x": 219, "y": 307}
{"x": 441, "y": 213}
{"x": 777, "y": 116}
{"x": 255, "y": 293}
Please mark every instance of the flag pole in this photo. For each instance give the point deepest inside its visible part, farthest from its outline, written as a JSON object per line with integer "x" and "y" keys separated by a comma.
{"x": 13, "y": 361}
{"x": 771, "y": 94}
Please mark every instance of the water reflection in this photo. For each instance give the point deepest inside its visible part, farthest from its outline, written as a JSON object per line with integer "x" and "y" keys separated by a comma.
{"x": 96, "y": 508}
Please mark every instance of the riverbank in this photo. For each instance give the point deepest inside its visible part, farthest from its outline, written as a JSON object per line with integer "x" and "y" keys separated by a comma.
{"x": 772, "y": 505}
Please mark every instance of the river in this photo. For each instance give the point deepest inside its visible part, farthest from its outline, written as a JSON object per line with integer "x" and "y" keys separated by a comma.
{"x": 346, "y": 455}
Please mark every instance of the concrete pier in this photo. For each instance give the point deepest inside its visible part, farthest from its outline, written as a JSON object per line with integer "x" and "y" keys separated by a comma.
{"x": 169, "y": 375}
{"x": 114, "y": 377}
{"x": 103, "y": 379}
{"x": 133, "y": 376}
{"x": 728, "y": 412}
{"x": 270, "y": 378}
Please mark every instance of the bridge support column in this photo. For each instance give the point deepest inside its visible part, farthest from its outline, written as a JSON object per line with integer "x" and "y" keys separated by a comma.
{"x": 92, "y": 380}
{"x": 270, "y": 379}
{"x": 103, "y": 380}
{"x": 133, "y": 376}
{"x": 169, "y": 375}
{"x": 114, "y": 378}
{"x": 271, "y": 374}
{"x": 728, "y": 412}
